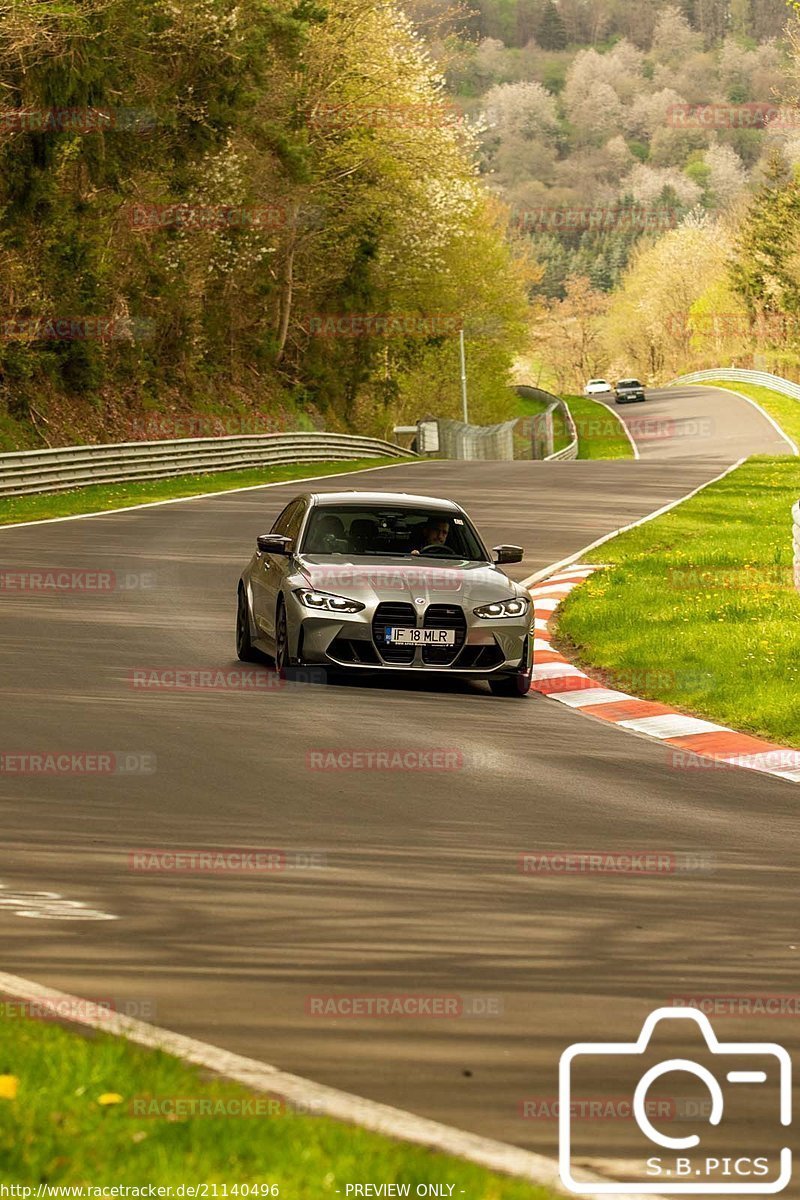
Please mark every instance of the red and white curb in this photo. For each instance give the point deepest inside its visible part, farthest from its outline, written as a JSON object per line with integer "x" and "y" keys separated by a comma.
{"x": 694, "y": 742}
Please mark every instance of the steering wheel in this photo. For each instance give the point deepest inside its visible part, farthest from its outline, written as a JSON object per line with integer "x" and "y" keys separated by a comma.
{"x": 434, "y": 548}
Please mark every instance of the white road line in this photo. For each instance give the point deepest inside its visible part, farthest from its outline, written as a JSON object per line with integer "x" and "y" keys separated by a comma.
{"x": 755, "y": 404}
{"x": 252, "y": 487}
{"x": 767, "y": 760}
{"x": 546, "y": 572}
{"x": 317, "y": 1098}
{"x": 617, "y": 417}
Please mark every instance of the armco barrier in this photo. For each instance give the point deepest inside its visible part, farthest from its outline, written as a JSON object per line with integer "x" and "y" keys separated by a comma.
{"x": 471, "y": 443}
{"x": 796, "y": 516}
{"x": 734, "y": 375}
{"x": 542, "y": 426}
{"x": 30, "y": 471}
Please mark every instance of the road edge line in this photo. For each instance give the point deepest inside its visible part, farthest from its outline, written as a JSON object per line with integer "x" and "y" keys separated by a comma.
{"x": 617, "y": 417}
{"x": 546, "y": 572}
{"x": 732, "y": 391}
{"x": 323, "y": 1100}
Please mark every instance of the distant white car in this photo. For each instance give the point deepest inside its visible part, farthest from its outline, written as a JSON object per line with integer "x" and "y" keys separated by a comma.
{"x": 597, "y": 387}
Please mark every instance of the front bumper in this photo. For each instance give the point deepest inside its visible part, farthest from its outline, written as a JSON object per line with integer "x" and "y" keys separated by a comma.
{"x": 353, "y": 641}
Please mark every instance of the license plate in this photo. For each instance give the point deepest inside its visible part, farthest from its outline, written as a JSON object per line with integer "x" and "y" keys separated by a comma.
{"x": 420, "y": 637}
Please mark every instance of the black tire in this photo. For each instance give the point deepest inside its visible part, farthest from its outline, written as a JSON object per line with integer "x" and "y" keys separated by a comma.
{"x": 282, "y": 660}
{"x": 245, "y": 651}
{"x": 516, "y": 685}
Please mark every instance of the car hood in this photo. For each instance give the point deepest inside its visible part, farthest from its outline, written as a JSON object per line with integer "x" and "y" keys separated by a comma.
{"x": 436, "y": 581}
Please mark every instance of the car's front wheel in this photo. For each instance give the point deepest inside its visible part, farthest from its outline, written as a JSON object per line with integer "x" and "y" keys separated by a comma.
{"x": 245, "y": 651}
{"x": 281, "y": 640}
{"x": 518, "y": 684}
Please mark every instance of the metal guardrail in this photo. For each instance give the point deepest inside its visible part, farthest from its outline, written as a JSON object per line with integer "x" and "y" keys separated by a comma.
{"x": 735, "y": 375}
{"x": 543, "y": 430}
{"x": 29, "y": 471}
{"x": 796, "y": 526}
{"x": 472, "y": 443}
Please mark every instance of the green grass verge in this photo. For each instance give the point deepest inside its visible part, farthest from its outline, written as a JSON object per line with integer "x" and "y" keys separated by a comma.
{"x": 698, "y": 609}
{"x": 102, "y": 496}
{"x": 58, "y": 1130}
{"x": 600, "y": 433}
{"x": 782, "y": 409}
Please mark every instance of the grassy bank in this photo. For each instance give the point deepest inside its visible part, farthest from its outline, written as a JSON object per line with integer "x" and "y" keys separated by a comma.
{"x": 600, "y": 433}
{"x": 72, "y": 1111}
{"x": 699, "y": 605}
{"x": 782, "y": 409}
{"x": 103, "y": 496}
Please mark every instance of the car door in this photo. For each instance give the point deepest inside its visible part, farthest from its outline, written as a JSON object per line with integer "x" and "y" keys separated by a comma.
{"x": 271, "y": 569}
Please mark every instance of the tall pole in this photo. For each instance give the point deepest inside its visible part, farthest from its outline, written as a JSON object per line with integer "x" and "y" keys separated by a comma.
{"x": 464, "y": 379}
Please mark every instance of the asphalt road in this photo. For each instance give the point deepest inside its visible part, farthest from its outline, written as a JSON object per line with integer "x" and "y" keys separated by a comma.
{"x": 418, "y": 890}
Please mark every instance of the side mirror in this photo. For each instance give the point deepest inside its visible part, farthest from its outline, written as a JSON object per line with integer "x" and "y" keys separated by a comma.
{"x": 273, "y": 543}
{"x": 507, "y": 554}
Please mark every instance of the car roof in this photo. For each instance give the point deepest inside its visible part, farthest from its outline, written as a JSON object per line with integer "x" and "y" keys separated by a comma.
{"x": 386, "y": 499}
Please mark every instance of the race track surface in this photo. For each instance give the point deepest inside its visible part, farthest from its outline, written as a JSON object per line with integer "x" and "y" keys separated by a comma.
{"x": 419, "y": 891}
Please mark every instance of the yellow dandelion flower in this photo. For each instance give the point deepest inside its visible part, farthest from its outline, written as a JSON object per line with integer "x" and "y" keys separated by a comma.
{"x": 9, "y": 1085}
{"x": 110, "y": 1098}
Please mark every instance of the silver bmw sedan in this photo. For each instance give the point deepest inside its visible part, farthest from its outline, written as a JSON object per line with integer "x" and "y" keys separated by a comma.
{"x": 376, "y": 581}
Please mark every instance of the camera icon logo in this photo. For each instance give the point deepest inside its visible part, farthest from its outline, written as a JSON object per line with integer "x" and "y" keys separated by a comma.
{"x": 689, "y": 1163}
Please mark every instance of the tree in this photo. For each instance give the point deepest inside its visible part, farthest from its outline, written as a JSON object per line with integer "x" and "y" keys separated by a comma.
{"x": 650, "y": 329}
{"x": 571, "y": 334}
{"x": 551, "y": 33}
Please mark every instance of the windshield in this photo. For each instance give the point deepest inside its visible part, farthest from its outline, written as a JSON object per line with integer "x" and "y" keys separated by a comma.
{"x": 629, "y": 383}
{"x": 391, "y": 532}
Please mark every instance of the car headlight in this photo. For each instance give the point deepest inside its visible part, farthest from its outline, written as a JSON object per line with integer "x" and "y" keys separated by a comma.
{"x": 327, "y": 602}
{"x": 516, "y": 607}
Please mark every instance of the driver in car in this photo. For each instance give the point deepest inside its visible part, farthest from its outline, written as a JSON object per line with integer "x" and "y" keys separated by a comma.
{"x": 434, "y": 532}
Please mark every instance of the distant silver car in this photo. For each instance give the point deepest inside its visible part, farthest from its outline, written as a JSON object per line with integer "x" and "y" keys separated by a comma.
{"x": 374, "y": 581}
